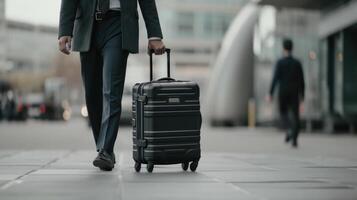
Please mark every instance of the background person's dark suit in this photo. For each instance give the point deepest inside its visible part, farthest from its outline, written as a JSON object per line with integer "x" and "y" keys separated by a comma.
{"x": 288, "y": 76}
{"x": 104, "y": 47}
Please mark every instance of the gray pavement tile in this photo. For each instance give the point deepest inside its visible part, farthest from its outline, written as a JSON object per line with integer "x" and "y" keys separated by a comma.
{"x": 278, "y": 162}
{"x": 298, "y": 185}
{"x": 9, "y": 172}
{"x": 258, "y": 176}
{"x": 334, "y": 175}
{"x": 70, "y": 175}
{"x": 32, "y": 158}
{"x": 66, "y": 171}
{"x": 55, "y": 196}
{"x": 207, "y": 163}
{"x": 79, "y": 156}
{"x": 78, "y": 166}
{"x": 100, "y": 176}
{"x": 229, "y": 163}
{"x": 19, "y": 163}
{"x": 64, "y": 187}
{"x": 3, "y": 182}
{"x": 173, "y": 191}
{"x": 8, "y": 177}
{"x": 163, "y": 176}
{"x": 309, "y": 193}
{"x": 16, "y": 170}
{"x": 4, "y": 153}
{"x": 325, "y": 162}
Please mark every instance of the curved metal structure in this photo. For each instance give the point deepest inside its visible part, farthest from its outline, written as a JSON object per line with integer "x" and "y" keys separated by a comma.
{"x": 231, "y": 83}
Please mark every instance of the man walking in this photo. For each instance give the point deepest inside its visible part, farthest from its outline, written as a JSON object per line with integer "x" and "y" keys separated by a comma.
{"x": 289, "y": 77}
{"x": 105, "y": 32}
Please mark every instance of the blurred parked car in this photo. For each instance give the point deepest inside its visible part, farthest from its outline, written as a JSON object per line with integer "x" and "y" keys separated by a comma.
{"x": 47, "y": 110}
{"x": 37, "y": 107}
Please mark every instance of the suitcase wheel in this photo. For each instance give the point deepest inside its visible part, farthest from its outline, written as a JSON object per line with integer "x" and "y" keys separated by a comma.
{"x": 150, "y": 167}
{"x": 137, "y": 166}
{"x": 194, "y": 166}
{"x": 185, "y": 166}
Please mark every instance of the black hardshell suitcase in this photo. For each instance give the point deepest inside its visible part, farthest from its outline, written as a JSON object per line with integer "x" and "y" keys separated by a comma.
{"x": 166, "y": 122}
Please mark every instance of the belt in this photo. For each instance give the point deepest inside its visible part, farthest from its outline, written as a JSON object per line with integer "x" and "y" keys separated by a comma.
{"x": 99, "y": 16}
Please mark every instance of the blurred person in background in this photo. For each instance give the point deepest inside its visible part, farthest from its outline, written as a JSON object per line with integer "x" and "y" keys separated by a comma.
{"x": 105, "y": 32}
{"x": 10, "y": 106}
{"x": 1, "y": 107}
{"x": 289, "y": 77}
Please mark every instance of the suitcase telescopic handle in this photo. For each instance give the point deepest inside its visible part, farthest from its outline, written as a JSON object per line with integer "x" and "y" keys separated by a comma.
{"x": 168, "y": 52}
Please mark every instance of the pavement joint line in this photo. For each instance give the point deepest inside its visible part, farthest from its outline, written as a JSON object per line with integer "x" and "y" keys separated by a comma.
{"x": 269, "y": 168}
{"x": 235, "y": 187}
{"x": 11, "y": 183}
{"x": 120, "y": 176}
{"x": 18, "y": 180}
{"x": 333, "y": 182}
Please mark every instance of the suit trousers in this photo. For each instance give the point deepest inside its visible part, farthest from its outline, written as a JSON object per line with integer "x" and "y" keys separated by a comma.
{"x": 103, "y": 72}
{"x": 289, "y": 112}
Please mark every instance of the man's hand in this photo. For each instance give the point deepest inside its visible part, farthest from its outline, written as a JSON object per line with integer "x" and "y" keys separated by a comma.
{"x": 301, "y": 107}
{"x": 64, "y": 44}
{"x": 156, "y": 45}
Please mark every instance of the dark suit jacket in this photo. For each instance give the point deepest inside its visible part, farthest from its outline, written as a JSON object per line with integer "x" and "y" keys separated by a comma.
{"x": 288, "y": 75}
{"x": 77, "y": 19}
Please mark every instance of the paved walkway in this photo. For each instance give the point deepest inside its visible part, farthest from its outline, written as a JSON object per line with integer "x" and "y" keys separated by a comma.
{"x": 65, "y": 175}
{"x": 237, "y": 163}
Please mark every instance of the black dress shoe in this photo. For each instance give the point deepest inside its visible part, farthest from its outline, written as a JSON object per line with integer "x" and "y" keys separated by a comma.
{"x": 295, "y": 144}
{"x": 113, "y": 157}
{"x": 287, "y": 138}
{"x": 104, "y": 161}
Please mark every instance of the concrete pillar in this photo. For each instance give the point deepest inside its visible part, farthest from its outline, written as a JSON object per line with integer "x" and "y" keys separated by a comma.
{"x": 231, "y": 83}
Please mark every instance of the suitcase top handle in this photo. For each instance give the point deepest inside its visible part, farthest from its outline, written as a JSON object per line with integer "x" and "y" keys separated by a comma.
{"x": 168, "y": 51}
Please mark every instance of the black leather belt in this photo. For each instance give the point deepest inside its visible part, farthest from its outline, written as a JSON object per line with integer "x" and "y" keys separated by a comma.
{"x": 99, "y": 16}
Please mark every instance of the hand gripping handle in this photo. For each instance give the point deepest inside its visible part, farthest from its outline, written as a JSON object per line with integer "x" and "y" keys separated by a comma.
{"x": 168, "y": 52}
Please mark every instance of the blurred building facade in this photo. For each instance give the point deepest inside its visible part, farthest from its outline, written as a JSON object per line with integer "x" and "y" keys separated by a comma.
{"x": 338, "y": 33}
{"x": 2, "y": 34}
{"x": 30, "y": 55}
{"x": 29, "y": 47}
{"x": 194, "y": 29}
{"x": 325, "y": 33}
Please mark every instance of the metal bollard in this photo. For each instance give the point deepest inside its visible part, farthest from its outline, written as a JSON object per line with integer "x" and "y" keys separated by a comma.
{"x": 252, "y": 113}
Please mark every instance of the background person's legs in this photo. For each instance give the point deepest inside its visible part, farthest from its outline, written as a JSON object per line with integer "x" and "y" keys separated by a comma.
{"x": 295, "y": 120}
{"x": 284, "y": 115}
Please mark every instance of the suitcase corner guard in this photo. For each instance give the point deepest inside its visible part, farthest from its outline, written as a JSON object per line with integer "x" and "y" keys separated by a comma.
{"x": 142, "y": 98}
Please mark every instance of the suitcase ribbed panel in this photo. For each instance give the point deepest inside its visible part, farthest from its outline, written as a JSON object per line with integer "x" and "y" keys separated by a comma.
{"x": 172, "y": 122}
